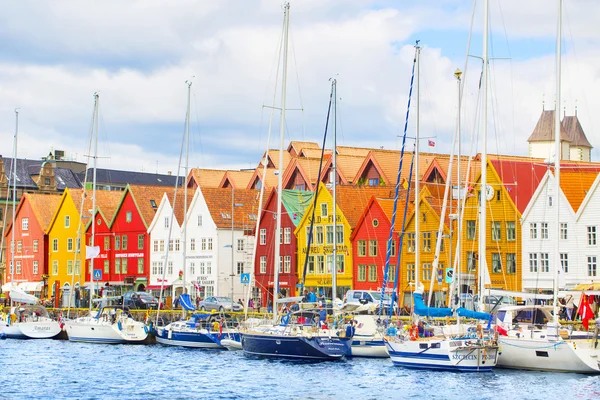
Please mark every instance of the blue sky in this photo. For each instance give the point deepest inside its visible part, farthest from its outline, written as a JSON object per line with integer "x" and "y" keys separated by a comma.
{"x": 138, "y": 54}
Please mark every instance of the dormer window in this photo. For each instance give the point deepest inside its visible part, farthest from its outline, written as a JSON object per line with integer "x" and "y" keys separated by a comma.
{"x": 153, "y": 203}
{"x": 47, "y": 181}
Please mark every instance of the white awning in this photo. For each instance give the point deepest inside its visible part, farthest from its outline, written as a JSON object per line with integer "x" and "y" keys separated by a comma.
{"x": 31, "y": 286}
{"x": 7, "y": 286}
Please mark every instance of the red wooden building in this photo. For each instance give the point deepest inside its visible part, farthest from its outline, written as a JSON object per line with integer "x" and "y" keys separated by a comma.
{"x": 294, "y": 204}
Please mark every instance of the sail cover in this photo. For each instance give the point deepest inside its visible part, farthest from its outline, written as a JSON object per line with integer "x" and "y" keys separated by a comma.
{"x": 20, "y": 296}
{"x": 186, "y": 302}
{"x": 463, "y": 312}
{"x": 423, "y": 310}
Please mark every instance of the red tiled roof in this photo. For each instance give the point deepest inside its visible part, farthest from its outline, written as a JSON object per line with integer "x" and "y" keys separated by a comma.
{"x": 219, "y": 203}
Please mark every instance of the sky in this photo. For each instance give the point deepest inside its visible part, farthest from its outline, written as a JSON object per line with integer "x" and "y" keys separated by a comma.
{"x": 138, "y": 55}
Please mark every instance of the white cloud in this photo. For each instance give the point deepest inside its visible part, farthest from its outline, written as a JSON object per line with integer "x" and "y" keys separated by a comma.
{"x": 138, "y": 54}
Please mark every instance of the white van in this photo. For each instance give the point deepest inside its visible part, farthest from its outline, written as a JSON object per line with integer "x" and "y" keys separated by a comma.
{"x": 358, "y": 297}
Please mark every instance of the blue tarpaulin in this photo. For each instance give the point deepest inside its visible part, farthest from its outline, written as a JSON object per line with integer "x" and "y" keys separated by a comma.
{"x": 423, "y": 310}
{"x": 186, "y": 302}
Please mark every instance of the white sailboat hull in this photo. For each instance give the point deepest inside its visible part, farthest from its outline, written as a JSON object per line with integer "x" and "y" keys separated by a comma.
{"x": 443, "y": 354}
{"x": 369, "y": 346}
{"x": 92, "y": 330}
{"x": 540, "y": 354}
{"x": 42, "y": 328}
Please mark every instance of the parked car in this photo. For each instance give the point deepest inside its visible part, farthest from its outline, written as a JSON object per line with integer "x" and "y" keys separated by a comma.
{"x": 369, "y": 296}
{"x": 219, "y": 304}
{"x": 139, "y": 300}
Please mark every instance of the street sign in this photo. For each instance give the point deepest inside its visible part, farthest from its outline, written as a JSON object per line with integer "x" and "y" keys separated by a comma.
{"x": 449, "y": 275}
{"x": 97, "y": 274}
{"x": 245, "y": 279}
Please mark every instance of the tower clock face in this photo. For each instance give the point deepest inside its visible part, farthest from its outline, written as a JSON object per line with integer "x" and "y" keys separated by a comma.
{"x": 489, "y": 192}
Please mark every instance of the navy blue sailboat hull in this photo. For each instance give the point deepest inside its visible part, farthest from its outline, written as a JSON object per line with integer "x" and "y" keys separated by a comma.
{"x": 298, "y": 347}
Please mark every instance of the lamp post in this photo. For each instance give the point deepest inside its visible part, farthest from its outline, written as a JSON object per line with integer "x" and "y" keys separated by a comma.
{"x": 233, "y": 205}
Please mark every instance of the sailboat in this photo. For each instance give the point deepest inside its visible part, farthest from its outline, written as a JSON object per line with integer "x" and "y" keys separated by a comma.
{"x": 111, "y": 324}
{"x": 200, "y": 330}
{"x": 550, "y": 347}
{"x": 457, "y": 351}
{"x": 29, "y": 320}
{"x": 296, "y": 335}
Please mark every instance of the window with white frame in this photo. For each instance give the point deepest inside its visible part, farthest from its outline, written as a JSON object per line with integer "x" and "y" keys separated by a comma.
{"x": 329, "y": 263}
{"x": 320, "y": 264}
{"x": 532, "y": 230}
{"x": 591, "y": 235}
{"x": 140, "y": 265}
{"x": 240, "y": 267}
{"x": 319, "y": 235}
{"x": 240, "y": 245}
{"x": 177, "y": 244}
{"x": 69, "y": 267}
{"x": 427, "y": 241}
{"x": 19, "y": 246}
{"x": 192, "y": 268}
{"x": 564, "y": 262}
{"x": 341, "y": 263}
{"x": 25, "y": 224}
{"x": 210, "y": 244}
{"x": 263, "y": 264}
{"x": 55, "y": 245}
{"x": 170, "y": 268}
{"x": 203, "y": 244}
{"x": 339, "y": 231}
{"x": 287, "y": 264}
{"x": 281, "y": 264}
{"x": 166, "y": 222}
{"x": 18, "y": 269}
{"x": 329, "y": 235}
{"x": 209, "y": 268}
{"x": 544, "y": 263}
{"x": 263, "y": 236}
{"x": 192, "y": 244}
{"x": 591, "y": 266}
{"x": 36, "y": 246}
{"x": 107, "y": 267}
{"x": 67, "y": 221}
{"x": 426, "y": 273}
{"x": 36, "y": 269}
{"x": 410, "y": 272}
{"x": 311, "y": 265}
{"x": 544, "y": 230}
{"x": 533, "y": 262}
{"x": 162, "y": 245}
{"x": 410, "y": 242}
{"x": 70, "y": 244}
{"x": 199, "y": 219}
{"x": 563, "y": 231}
{"x": 202, "y": 268}
{"x": 373, "y": 248}
{"x": 361, "y": 248}
{"x": 55, "y": 267}
{"x": 287, "y": 235}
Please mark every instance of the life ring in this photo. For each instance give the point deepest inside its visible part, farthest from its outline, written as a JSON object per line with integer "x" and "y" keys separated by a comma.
{"x": 414, "y": 332}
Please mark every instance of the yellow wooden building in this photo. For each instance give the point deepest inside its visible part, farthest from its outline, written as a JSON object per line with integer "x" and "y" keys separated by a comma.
{"x": 429, "y": 210}
{"x": 510, "y": 184}
{"x": 320, "y": 257}
{"x": 64, "y": 263}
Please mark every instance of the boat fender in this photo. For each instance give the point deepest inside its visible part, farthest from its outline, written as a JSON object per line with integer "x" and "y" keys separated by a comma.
{"x": 120, "y": 326}
{"x": 2, "y": 335}
{"x": 479, "y": 331}
{"x": 414, "y": 332}
{"x": 309, "y": 335}
{"x": 146, "y": 329}
{"x": 295, "y": 330}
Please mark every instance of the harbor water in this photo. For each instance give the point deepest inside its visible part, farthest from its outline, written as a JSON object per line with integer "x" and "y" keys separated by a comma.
{"x": 54, "y": 369}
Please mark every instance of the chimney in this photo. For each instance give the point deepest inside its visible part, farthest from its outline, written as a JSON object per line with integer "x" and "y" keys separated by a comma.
{"x": 169, "y": 173}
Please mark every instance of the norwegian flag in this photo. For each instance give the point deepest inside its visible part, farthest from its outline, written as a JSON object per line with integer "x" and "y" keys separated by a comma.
{"x": 585, "y": 311}
{"x": 431, "y": 143}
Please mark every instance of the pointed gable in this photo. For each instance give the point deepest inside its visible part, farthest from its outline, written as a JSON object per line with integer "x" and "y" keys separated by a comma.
{"x": 544, "y": 129}
{"x": 352, "y": 200}
{"x": 146, "y": 199}
{"x": 236, "y": 179}
{"x": 44, "y": 206}
{"x": 575, "y": 131}
{"x": 272, "y": 158}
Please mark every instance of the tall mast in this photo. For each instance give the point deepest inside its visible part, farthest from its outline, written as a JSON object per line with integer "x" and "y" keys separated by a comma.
{"x": 94, "y": 164}
{"x": 417, "y": 189}
{"x": 557, "y": 159}
{"x": 483, "y": 186}
{"x": 458, "y": 272}
{"x": 276, "y": 261}
{"x": 185, "y": 192}
{"x": 334, "y": 172}
{"x": 14, "y": 201}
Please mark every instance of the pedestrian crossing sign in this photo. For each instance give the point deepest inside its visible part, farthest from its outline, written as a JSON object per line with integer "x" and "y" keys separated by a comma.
{"x": 97, "y": 274}
{"x": 245, "y": 279}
